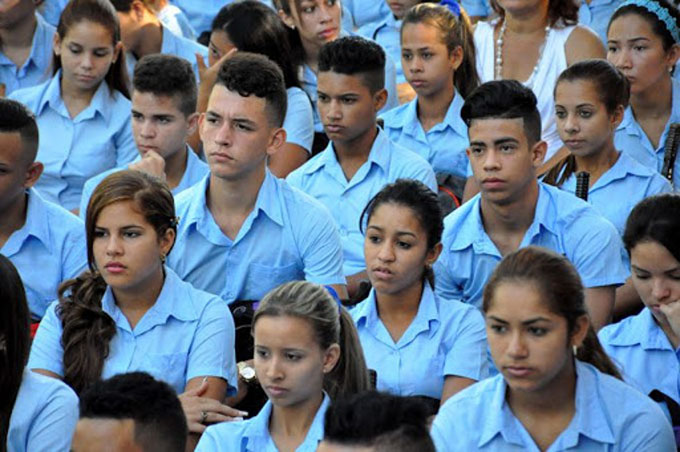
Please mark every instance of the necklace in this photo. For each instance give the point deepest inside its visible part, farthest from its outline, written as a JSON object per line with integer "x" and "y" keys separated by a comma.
{"x": 499, "y": 55}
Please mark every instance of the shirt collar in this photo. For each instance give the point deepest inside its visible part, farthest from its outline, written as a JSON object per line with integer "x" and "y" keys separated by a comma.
{"x": 633, "y": 128}
{"x": 379, "y": 154}
{"x": 169, "y": 42}
{"x": 195, "y": 169}
{"x": 102, "y": 102}
{"x": 642, "y": 330}
{"x": 36, "y": 224}
{"x": 410, "y": 123}
{"x": 623, "y": 166}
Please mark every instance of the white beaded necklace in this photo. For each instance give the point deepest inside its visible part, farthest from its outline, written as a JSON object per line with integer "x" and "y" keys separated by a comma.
{"x": 499, "y": 55}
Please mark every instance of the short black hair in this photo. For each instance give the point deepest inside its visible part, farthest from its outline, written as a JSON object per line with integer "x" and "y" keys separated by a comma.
{"x": 504, "y": 99}
{"x": 353, "y": 55}
{"x": 167, "y": 75}
{"x": 16, "y": 118}
{"x": 160, "y": 424}
{"x": 122, "y": 6}
{"x": 252, "y": 74}
{"x": 379, "y": 420}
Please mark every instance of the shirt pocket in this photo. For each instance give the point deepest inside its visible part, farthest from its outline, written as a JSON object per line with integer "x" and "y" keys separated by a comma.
{"x": 168, "y": 367}
{"x": 262, "y": 278}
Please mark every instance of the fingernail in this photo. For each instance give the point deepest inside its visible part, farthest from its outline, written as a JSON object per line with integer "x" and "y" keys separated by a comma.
{"x": 204, "y": 380}
{"x": 243, "y": 413}
{"x": 238, "y": 419}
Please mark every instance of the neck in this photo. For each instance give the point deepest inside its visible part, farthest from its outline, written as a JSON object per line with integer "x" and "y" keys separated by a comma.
{"x": 150, "y": 38}
{"x": 598, "y": 163}
{"x": 358, "y": 148}
{"x": 434, "y": 107}
{"x": 13, "y": 218}
{"x": 513, "y": 216}
{"x": 228, "y": 196}
{"x": 72, "y": 93}
{"x": 311, "y": 54}
{"x": 558, "y": 396}
{"x": 19, "y": 35}
{"x": 294, "y": 421}
{"x": 527, "y": 21}
{"x": 175, "y": 166}
{"x": 402, "y": 304}
{"x": 135, "y": 301}
{"x": 654, "y": 102}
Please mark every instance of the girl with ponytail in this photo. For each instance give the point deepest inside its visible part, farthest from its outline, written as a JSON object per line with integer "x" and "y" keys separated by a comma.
{"x": 417, "y": 343}
{"x": 306, "y": 353}
{"x": 555, "y": 378}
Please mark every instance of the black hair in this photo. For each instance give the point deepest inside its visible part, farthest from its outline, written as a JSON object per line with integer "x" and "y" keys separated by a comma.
{"x": 658, "y": 26}
{"x": 160, "y": 424}
{"x": 353, "y": 55}
{"x": 122, "y": 6}
{"x": 16, "y": 118}
{"x": 383, "y": 421}
{"x": 167, "y": 75}
{"x": 421, "y": 200}
{"x": 504, "y": 99}
{"x": 655, "y": 219}
{"x": 252, "y": 74}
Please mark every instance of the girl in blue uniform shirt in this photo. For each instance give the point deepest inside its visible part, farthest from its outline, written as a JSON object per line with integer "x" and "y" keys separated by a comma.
{"x": 644, "y": 43}
{"x": 417, "y": 343}
{"x": 306, "y": 353}
{"x": 131, "y": 313}
{"x": 646, "y": 346}
{"x": 557, "y": 389}
{"x": 83, "y": 112}
{"x": 438, "y": 57}
{"x": 37, "y": 413}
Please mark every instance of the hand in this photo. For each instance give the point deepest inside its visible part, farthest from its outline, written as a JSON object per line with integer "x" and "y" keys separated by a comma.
{"x": 194, "y": 405}
{"x": 672, "y": 313}
{"x": 208, "y": 74}
{"x": 152, "y": 163}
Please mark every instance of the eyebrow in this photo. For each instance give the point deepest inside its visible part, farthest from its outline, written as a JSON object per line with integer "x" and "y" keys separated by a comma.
{"x": 497, "y": 142}
{"x": 671, "y": 270}
{"x": 128, "y": 226}
{"x": 639, "y": 38}
{"x": 525, "y": 322}
{"x": 321, "y": 93}
{"x": 398, "y": 232}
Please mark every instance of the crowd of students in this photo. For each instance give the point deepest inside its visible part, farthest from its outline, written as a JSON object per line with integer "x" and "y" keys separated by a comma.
{"x": 346, "y": 225}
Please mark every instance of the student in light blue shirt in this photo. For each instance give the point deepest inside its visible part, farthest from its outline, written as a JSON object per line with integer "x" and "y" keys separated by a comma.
{"x": 417, "y": 343}
{"x": 163, "y": 117}
{"x": 360, "y": 159}
{"x": 20, "y": 28}
{"x": 363, "y": 12}
{"x": 175, "y": 20}
{"x": 83, "y": 111}
{"x": 200, "y": 12}
{"x": 477, "y": 9}
{"x": 595, "y": 14}
{"x": 557, "y": 389}
{"x": 514, "y": 210}
{"x": 439, "y": 64}
{"x": 243, "y": 231}
{"x": 306, "y": 353}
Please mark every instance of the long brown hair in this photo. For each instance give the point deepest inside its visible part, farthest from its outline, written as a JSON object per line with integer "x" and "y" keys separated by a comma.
{"x": 558, "y": 10}
{"x": 87, "y": 329}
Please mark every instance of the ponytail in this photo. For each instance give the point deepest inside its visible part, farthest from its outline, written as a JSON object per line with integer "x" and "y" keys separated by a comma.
{"x": 591, "y": 352}
{"x": 466, "y": 79}
{"x": 350, "y": 374}
{"x": 562, "y": 171}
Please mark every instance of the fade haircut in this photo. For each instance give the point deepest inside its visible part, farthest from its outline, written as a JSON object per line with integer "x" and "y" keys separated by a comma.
{"x": 353, "y": 55}
{"x": 167, "y": 75}
{"x": 16, "y": 118}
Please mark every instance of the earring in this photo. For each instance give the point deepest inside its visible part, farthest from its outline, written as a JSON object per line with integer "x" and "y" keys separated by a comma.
{"x": 162, "y": 258}
{"x": 574, "y": 348}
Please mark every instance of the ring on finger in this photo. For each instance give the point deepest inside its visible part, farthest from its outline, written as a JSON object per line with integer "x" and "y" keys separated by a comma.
{"x": 204, "y": 417}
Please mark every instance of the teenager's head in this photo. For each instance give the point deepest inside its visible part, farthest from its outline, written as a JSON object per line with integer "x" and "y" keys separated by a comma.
{"x": 563, "y": 11}
{"x": 401, "y": 7}
{"x": 376, "y": 422}
{"x": 130, "y": 412}
{"x": 87, "y": 47}
{"x": 642, "y": 45}
{"x": 306, "y": 342}
{"x": 504, "y": 127}
{"x": 14, "y": 14}
{"x": 534, "y": 306}
{"x": 251, "y": 26}
{"x": 18, "y": 148}
{"x": 437, "y": 50}
{"x": 403, "y": 227}
{"x": 134, "y": 16}
{"x": 163, "y": 104}
{"x": 313, "y": 23}
{"x": 242, "y": 123}
{"x": 652, "y": 238}
{"x": 351, "y": 87}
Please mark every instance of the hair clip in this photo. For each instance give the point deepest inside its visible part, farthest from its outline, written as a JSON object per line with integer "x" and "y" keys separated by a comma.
{"x": 452, "y": 6}
{"x": 660, "y": 12}
{"x": 174, "y": 222}
{"x": 335, "y": 296}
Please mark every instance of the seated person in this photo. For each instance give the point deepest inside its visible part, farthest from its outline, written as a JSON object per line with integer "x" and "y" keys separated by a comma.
{"x": 557, "y": 389}
{"x": 418, "y": 343}
{"x": 130, "y": 412}
{"x": 243, "y": 231}
{"x": 514, "y": 210}
{"x": 130, "y": 312}
{"x": 360, "y": 159}
{"x": 37, "y": 413}
{"x": 375, "y": 422}
{"x": 163, "y": 117}
{"x": 45, "y": 242}
{"x": 25, "y": 46}
{"x": 172, "y": 17}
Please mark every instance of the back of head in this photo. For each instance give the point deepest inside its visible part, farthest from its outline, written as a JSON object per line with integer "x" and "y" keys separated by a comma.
{"x": 353, "y": 55}
{"x": 167, "y": 75}
{"x": 252, "y": 74}
{"x": 123, "y": 6}
{"x": 16, "y": 118}
{"x": 504, "y": 99}
{"x": 160, "y": 424}
{"x": 655, "y": 219}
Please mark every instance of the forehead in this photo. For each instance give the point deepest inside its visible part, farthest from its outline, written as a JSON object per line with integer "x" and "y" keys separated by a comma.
{"x": 282, "y": 332}
{"x": 395, "y": 216}
{"x": 517, "y": 300}
{"x": 227, "y": 103}
{"x": 119, "y": 214}
{"x": 420, "y": 35}
{"x": 652, "y": 256}
{"x": 11, "y": 148}
{"x": 89, "y": 34}
{"x": 151, "y": 103}
{"x": 105, "y": 435}
{"x": 573, "y": 92}
{"x": 631, "y": 26}
{"x": 328, "y": 446}
{"x": 490, "y": 129}
{"x": 334, "y": 83}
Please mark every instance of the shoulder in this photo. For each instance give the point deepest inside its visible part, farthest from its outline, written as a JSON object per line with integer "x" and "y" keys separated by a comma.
{"x": 406, "y": 161}
{"x": 394, "y": 117}
{"x": 49, "y": 390}
{"x": 583, "y": 43}
{"x": 455, "y": 314}
{"x": 296, "y": 177}
{"x": 568, "y": 210}
{"x": 300, "y": 202}
{"x": 623, "y": 332}
{"x": 191, "y": 195}
{"x": 297, "y": 96}
{"x": 225, "y": 436}
{"x": 454, "y": 220}
{"x": 30, "y": 96}
{"x": 470, "y": 404}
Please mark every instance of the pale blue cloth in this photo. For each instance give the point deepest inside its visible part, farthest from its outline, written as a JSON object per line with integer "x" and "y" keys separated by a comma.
{"x": 323, "y": 178}
{"x": 363, "y": 12}
{"x": 446, "y": 338}
{"x": 478, "y": 8}
{"x": 176, "y": 21}
{"x": 610, "y": 415}
{"x": 596, "y": 16}
{"x": 387, "y": 33}
{"x": 48, "y": 249}
{"x": 51, "y": 10}
{"x": 299, "y": 120}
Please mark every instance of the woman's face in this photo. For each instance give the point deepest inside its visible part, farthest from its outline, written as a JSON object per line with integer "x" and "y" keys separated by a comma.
{"x": 317, "y": 21}
{"x": 219, "y": 45}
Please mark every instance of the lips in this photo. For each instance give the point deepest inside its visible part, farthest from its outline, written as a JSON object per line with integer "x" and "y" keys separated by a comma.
{"x": 418, "y": 83}
{"x": 85, "y": 78}
{"x": 493, "y": 183}
{"x": 574, "y": 143}
{"x": 328, "y": 33}
{"x": 220, "y": 157}
{"x": 518, "y": 371}
{"x": 382, "y": 273}
{"x": 333, "y": 128}
{"x": 276, "y": 391}
{"x": 115, "y": 267}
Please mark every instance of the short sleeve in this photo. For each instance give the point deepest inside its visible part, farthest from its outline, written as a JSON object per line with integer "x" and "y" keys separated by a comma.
{"x": 74, "y": 260}
{"x": 466, "y": 355}
{"x": 299, "y": 121}
{"x": 126, "y": 149}
{"x": 53, "y": 427}
{"x": 46, "y": 350}
{"x": 648, "y": 431}
{"x": 85, "y": 196}
{"x": 444, "y": 283}
{"x": 390, "y": 85}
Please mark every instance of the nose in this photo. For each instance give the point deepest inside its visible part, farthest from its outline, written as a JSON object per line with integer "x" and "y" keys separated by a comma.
{"x": 147, "y": 130}
{"x": 415, "y": 65}
{"x": 113, "y": 246}
{"x": 274, "y": 370}
{"x": 517, "y": 347}
{"x": 223, "y": 135}
{"x": 386, "y": 252}
{"x": 325, "y": 13}
{"x": 491, "y": 160}
{"x": 660, "y": 289}
{"x": 86, "y": 60}
{"x": 571, "y": 123}
{"x": 620, "y": 59}
{"x": 333, "y": 110}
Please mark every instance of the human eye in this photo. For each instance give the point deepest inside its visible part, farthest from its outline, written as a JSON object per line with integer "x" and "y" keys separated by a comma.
{"x": 538, "y": 331}
{"x": 164, "y": 120}
{"x": 639, "y": 48}
{"x": 131, "y": 234}
{"x": 293, "y": 356}
{"x": 214, "y": 51}
{"x": 331, "y": 2}
{"x": 99, "y": 233}
{"x": 476, "y": 150}
{"x": 585, "y": 113}
{"x": 100, "y": 53}
{"x": 507, "y": 148}
{"x": 374, "y": 238}
{"x": 243, "y": 127}
{"x": 74, "y": 49}
{"x": 497, "y": 328}
{"x": 404, "y": 245}
{"x": 406, "y": 56}
{"x": 210, "y": 119}
{"x": 348, "y": 100}
{"x": 261, "y": 352}
{"x": 611, "y": 49}
{"x": 561, "y": 114}
{"x": 641, "y": 275}
{"x": 323, "y": 98}
{"x": 137, "y": 116}
{"x": 426, "y": 55}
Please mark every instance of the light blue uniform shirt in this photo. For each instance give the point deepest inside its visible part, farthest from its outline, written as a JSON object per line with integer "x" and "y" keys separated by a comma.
{"x": 596, "y": 15}
{"x": 631, "y": 139}
{"x": 196, "y": 169}
{"x": 562, "y": 223}
{"x": 387, "y": 33}
{"x": 44, "y": 416}
{"x": 201, "y": 12}
{"x": 51, "y": 10}
{"x": 299, "y": 120}
{"x": 252, "y": 435}
{"x": 73, "y": 150}
{"x": 445, "y": 338}
{"x": 48, "y": 249}
{"x": 323, "y": 178}
{"x": 37, "y": 68}
{"x": 288, "y": 236}
{"x": 609, "y": 416}
{"x": 176, "y": 21}
{"x": 186, "y": 334}
{"x": 644, "y": 354}
{"x": 443, "y": 145}
{"x": 478, "y": 8}
{"x": 363, "y": 12}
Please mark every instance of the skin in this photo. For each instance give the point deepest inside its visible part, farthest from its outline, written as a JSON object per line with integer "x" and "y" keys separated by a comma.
{"x": 105, "y": 435}
{"x": 140, "y": 30}
{"x": 400, "y": 7}
{"x": 329, "y": 446}
{"x": 17, "y": 26}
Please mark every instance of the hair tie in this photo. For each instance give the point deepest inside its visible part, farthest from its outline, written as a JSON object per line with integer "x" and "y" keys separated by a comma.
{"x": 660, "y": 12}
{"x": 335, "y": 296}
{"x": 451, "y": 5}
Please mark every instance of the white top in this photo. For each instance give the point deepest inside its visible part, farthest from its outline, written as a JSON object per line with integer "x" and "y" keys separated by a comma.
{"x": 542, "y": 83}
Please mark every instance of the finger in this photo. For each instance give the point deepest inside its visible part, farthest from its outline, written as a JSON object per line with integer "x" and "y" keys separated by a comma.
{"x": 213, "y": 406}
{"x": 196, "y": 427}
{"x": 215, "y": 418}
{"x": 200, "y": 62}
{"x": 226, "y": 56}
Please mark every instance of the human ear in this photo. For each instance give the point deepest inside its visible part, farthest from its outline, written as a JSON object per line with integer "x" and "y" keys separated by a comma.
{"x": 277, "y": 139}
{"x": 433, "y": 254}
{"x": 456, "y": 57}
{"x": 192, "y": 123}
{"x": 331, "y": 358}
{"x": 380, "y": 99}
{"x": 167, "y": 240}
{"x": 538, "y": 152}
{"x": 581, "y": 327}
{"x": 33, "y": 173}
{"x": 56, "y": 44}
{"x": 617, "y": 117}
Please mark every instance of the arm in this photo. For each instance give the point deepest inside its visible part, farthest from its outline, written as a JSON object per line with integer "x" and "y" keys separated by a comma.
{"x": 627, "y": 301}
{"x": 53, "y": 427}
{"x": 454, "y": 384}
{"x": 47, "y": 353}
{"x": 600, "y": 304}
{"x": 583, "y": 44}
{"x": 287, "y": 159}
{"x": 354, "y": 282}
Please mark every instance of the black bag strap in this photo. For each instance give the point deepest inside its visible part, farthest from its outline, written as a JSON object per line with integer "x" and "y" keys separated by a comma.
{"x": 673, "y": 406}
{"x": 670, "y": 152}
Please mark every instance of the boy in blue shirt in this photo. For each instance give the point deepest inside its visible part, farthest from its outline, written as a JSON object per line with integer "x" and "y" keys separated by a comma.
{"x": 514, "y": 210}
{"x": 242, "y": 230}
{"x": 45, "y": 242}
{"x": 163, "y": 118}
{"x": 360, "y": 159}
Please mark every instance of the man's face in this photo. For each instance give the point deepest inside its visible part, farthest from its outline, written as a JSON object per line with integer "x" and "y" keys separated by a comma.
{"x": 105, "y": 435}
{"x": 15, "y": 12}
